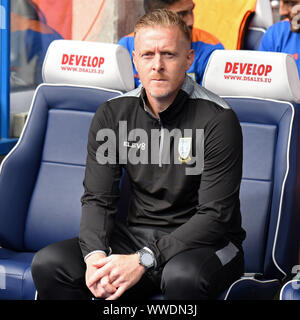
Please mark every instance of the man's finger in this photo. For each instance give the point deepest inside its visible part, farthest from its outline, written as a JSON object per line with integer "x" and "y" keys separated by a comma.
{"x": 98, "y": 291}
{"x": 101, "y": 262}
{"x": 117, "y": 283}
{"x": 113, "y": 276}
{"x": 98, "y": 274}
{"x": 107, "y": 286}
{"x": 117, "y": 294}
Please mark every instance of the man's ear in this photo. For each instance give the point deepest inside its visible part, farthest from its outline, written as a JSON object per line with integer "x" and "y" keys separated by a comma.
{"x": 190, "y": 58}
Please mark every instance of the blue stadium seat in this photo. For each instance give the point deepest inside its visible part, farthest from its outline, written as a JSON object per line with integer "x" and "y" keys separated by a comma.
{"x": 41, "y": 178}
{"x": 252, "y": 38}
{"x": 270, "y": 183}
{"x": 261, "y": 20}
{"x": 269, "y": 203}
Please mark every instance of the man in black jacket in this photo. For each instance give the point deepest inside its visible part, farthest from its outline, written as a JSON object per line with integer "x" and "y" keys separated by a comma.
{"x": 181, "y": 147}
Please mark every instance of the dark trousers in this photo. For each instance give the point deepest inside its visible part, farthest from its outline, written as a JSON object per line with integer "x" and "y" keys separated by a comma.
{"x": 58, "y": 271}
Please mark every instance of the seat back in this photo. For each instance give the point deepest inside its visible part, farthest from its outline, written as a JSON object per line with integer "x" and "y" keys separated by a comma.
{"x": 261, "y": 20}
{"x": 270, "y": 133}
{"x": 262, "y": 17}
{"x": 101, "y": 65}
{"x": 272, "y": 75}
{"x": 54, "y": 209}
{"x": 41, "y": 179}
{"x": 252, "y": 38}
{"x": 269, "y": 202}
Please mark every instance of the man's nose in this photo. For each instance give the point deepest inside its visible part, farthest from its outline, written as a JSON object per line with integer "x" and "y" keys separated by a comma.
{"x": 157, "y": 63}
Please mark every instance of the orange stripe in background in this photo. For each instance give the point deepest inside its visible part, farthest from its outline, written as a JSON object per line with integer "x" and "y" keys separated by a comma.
{"x": 20, "y": 23}
{"x": 204, "y": 36}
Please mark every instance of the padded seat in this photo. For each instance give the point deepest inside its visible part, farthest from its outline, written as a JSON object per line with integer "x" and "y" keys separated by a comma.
{"x": 269, "y": 114}
{"x": 252, "y": 38}
{"x": 41, "y": 178}
{"x": 270, "y": 136}
{"x": 15, "y": 275}
{"x": 45, "y": 171}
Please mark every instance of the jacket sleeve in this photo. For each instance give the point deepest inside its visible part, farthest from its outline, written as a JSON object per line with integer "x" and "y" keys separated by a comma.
{"x": 101, "y": 186}
{"x": 218, "y": 206}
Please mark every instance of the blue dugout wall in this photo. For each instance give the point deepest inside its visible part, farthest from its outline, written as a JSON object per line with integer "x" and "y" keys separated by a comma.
{"x": 6, "y": 143}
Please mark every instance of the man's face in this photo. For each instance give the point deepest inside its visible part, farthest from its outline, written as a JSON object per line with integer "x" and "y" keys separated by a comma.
{"x": 290, "y": 9}
{"x": 185, "y": 9}
{"x": 162, "y": 56}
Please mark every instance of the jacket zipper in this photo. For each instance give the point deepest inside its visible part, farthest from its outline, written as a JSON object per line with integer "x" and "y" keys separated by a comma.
{"x": 161, "y": 144}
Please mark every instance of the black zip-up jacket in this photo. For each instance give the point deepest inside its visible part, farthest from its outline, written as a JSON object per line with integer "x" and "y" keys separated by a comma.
{"x": 186, "y": 187}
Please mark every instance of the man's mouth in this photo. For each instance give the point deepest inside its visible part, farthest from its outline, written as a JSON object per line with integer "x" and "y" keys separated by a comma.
{"x": 159, "y": 80}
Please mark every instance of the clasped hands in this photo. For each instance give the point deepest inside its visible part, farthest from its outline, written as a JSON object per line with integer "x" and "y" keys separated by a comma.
{"x": 109, "y": 277}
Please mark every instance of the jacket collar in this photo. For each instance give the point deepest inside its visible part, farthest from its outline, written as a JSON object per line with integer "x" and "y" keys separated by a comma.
{"x": 173, "y": 110}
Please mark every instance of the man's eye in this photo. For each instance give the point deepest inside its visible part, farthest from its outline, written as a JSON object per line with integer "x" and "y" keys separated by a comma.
{"x": 169, "y": 54}
{"x": 183, "y": 14}
{"x": 147, "y": 55}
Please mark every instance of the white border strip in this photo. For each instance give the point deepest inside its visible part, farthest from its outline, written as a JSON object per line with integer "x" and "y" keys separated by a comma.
{"x": 257, "y": 29}
{"x": 287, "y": 168}
{"x": 31, "y": 107}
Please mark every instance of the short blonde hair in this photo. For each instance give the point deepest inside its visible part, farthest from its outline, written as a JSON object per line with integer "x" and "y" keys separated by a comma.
{"x": 163, "y": 18}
